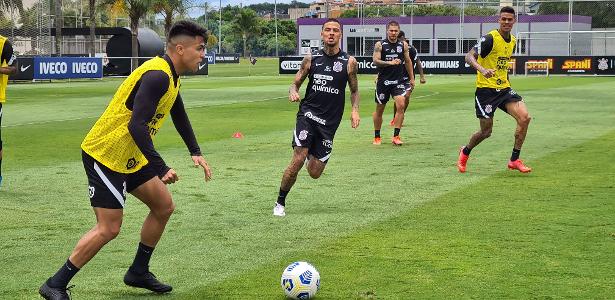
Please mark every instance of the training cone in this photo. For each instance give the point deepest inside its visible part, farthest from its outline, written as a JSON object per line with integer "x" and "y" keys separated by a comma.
{"x": 237, "y": 135}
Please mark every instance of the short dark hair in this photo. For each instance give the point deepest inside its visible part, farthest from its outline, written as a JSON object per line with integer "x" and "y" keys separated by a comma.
{"x": 392, "y": 23}
{"x": 329, "y": 20}
{"x": 401, "y": 34}
{"x": 507, "y": 9}
{"x": 189, "y": 28}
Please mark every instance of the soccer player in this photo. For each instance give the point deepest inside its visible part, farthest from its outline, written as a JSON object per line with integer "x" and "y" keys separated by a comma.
{"x": 320, "y": 111}
{"x": 391, "y": 56}
{"x": 416, "y": 66}
{"x": 8, "y": 62}
{"x": 119, "y": 157}
{"x": 490, "y": 57}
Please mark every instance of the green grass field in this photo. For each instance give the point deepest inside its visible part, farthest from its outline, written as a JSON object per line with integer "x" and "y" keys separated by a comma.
{"x": 381, "y": 223}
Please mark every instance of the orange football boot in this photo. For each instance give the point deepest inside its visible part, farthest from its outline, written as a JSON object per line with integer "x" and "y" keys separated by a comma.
{"x": 397, "y": 141}
{"x": 518, "y": 165}
{"x": 462, "y": 160}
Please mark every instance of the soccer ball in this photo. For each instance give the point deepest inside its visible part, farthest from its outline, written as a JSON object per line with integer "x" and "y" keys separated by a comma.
{"x": 300, "y": 280}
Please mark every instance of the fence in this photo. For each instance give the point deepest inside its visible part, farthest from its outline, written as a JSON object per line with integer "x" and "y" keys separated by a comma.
{"x": 436, "y": 27}
{"x": 556, "y": 27}
{"x": 30, "y": 33}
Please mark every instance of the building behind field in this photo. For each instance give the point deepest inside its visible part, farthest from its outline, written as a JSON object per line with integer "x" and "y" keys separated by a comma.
{"x": 445, "y": 35}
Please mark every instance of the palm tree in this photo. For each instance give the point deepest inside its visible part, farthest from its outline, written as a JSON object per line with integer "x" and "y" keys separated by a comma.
{"x": 92, "y": 13}
{"x": 135, "y": 9}
{"x": 168, "y": 9}
{"x": 8, "y": 5}
{"x": 246, "y": 23}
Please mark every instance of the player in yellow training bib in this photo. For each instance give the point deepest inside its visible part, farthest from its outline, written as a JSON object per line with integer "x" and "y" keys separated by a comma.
{"x": 119, "y": 157}
{"x": 8, "y": 66}
{"x": 490, "y": 58}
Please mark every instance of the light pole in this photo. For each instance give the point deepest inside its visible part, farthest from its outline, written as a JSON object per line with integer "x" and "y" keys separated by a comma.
{"x": 206, "y": 6}
{"x": 220, "y": 30}
{"x": 411, "y": 20}
{"x": 275, "y": 16}
{"x": 461, "y": 22}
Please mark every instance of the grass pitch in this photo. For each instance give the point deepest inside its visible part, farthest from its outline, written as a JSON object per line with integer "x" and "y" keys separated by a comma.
{"x": 381, "y": 223}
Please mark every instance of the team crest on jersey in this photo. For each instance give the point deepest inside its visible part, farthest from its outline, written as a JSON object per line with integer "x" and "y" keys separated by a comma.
{"x": 131, "y": 163}
{"x": 337, "y": 66}
{"x": 399, "y": 49}
{"x": 303, "y": 135}
{"x": 488, "y": 108}
{"x": 603, "y": 64}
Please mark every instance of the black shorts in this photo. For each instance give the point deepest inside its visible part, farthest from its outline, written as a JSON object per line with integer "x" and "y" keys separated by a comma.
{"x": 317, "y": 138}
{"x": 107, "y": 188}
{"x": 488, "y": 99}
{"x": 386, "y": 89}
{"x": 408, "y": 87}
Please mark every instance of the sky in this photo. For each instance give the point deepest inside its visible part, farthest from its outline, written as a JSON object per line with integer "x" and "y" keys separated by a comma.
{"x": 216, "y": 3}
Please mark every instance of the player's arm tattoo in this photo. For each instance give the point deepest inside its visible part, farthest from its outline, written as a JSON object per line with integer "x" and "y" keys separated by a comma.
{"x": 419, "y": 66}
{"x": 409, "y": 63}
{"x": 353, "y": 82}
{"x": 471, "y": 57}
{"x": 376, "y": 57}
{"x": 303, "y": 72}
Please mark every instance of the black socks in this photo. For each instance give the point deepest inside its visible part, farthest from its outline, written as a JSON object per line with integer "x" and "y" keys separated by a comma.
{"x": 396, "y": 131}
{"x": 466, "y": 150}
{"x": 141, "y": 263}
{"x": 376, "y": 133}
{"x": 63, "y": 276}
{"x": 282, "y": 197}
{"x": 515, "y": 154}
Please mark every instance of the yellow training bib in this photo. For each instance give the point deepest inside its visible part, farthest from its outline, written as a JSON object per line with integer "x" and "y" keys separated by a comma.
{"x": 498, "y": 60}
{"x": 109, "y": 141}
{"x": 4, "y": 79}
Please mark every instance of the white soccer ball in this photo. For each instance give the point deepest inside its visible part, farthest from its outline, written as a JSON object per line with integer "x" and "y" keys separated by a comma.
{"x": 300, "y": 280}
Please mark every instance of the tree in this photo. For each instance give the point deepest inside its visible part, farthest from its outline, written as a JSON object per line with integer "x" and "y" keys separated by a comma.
{"x": 245, "y": 24}
{"x": 230, "y": 41}
{"x": 601, "y": 12}
{"x": 212, "y": 41}
{"x": 9, "y": 5}
{"x": 59, "y": 20}
{"x": 266, "y": 42}
{"x": 268, "y": 8}
{"x": 229, "y": 12}
{"x": 135, "y": 9}
{"x": 168, "y": 9}
{"x": 420, "y": 10}
{"x": 92, "y": 20}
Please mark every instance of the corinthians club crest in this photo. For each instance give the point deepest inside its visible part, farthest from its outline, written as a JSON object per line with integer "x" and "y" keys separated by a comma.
{"x": 488, "y": 108}
{"x": 603, "y": 64}
{"x": 303, "y": 134}
{"x": 337, "y": 66}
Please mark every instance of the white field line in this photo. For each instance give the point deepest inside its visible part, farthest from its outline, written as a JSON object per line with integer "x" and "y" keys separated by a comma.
{"x": 188, "y": 107}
